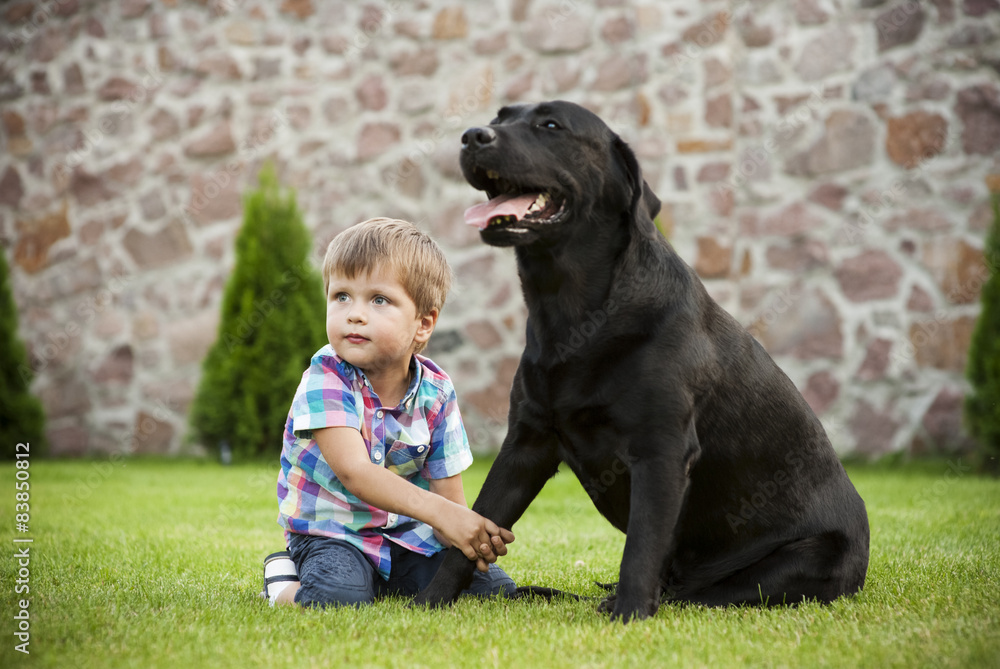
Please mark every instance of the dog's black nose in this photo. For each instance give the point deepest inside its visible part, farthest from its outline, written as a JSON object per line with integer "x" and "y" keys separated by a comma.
{"x": 476, "y": 137}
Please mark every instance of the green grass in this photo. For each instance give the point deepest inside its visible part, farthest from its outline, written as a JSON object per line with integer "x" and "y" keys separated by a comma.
{"x": 157, "y": 564}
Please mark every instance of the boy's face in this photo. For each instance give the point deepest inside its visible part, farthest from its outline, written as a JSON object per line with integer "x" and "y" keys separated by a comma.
{"x": 372, "y": 322}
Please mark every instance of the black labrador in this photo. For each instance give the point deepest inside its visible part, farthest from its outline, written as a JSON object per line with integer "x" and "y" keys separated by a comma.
{"x": 685, "y": 433}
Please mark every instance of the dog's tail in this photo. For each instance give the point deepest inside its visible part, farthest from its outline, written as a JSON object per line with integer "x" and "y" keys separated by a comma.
{"x": 525, "y": 591}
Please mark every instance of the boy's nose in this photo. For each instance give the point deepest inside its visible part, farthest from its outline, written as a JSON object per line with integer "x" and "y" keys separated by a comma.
{"x": 356, "y": 314}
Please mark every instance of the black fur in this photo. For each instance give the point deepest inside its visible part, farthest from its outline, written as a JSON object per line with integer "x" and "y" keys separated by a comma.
{"x": 682, "y": 429}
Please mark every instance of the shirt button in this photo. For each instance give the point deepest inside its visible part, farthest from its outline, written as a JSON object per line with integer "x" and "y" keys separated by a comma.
{"x": 420, "y": 449}
{"x": 378, "y": 414}
{"x": 378, "y": 456}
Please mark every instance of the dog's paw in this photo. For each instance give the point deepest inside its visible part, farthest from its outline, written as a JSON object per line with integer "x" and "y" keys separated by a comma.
{"x": 623, "y": 612}
{"x": 430, "y": 600}
{"x": 607, "y": 604}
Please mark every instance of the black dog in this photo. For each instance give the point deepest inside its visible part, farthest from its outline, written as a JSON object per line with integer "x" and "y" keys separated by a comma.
{"x": 683, "y": 430}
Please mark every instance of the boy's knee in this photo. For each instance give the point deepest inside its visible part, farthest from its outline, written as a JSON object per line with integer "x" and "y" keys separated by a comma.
{"x": 492, "y": 583}
{"x": 333, "y": 573}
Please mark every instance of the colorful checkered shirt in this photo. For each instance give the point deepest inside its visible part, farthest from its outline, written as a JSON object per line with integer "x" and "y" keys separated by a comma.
{"x": 422, "y": 438}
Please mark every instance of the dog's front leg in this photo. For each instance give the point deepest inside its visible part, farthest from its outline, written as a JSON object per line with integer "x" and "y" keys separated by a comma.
{"x": 659, "y": 484}
{"x": 527, "y": 459}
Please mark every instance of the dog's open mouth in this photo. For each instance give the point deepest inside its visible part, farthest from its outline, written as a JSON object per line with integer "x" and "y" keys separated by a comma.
{"x": 510, "y": 205}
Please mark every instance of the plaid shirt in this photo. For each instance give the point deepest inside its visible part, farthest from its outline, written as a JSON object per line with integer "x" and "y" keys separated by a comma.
{"x": 421, "y": 439}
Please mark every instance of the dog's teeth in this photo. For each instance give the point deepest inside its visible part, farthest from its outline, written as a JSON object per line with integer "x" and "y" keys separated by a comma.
{"x": 540, "y": 203}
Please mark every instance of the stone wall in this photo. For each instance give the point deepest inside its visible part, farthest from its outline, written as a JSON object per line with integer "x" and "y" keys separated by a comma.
{"x": 824, "y": 165}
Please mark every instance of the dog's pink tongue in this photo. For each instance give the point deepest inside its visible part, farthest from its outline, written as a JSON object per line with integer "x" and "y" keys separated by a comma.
{"x": 502, "y": 205}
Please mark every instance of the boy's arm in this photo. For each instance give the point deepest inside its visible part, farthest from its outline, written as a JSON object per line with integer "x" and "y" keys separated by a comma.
{"x": 344, "y": 450}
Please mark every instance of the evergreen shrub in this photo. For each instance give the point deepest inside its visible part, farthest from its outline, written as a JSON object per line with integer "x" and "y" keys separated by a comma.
{"x": 22, "y": 419}
{"x": 982, "y": 405}
{"x": 273, "y": 320}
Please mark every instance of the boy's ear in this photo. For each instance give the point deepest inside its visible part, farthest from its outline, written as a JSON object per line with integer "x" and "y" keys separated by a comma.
{"x": 426, "y": 327}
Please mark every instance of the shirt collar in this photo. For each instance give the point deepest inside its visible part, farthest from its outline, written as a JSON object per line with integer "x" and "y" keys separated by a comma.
{"x": 349, "y": 370}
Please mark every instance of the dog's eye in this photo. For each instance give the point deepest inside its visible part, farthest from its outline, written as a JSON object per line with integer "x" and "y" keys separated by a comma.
{"x": 550, "y": 125}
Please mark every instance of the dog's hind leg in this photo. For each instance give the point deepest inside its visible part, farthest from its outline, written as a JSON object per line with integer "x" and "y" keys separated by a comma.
{"x": 820, "y": 567}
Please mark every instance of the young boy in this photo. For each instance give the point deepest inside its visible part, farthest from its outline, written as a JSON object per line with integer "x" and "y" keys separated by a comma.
{"x": 370, "y": 487}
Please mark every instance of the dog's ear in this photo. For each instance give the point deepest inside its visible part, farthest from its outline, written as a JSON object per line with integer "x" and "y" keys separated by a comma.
{"x": 641, "y": 192}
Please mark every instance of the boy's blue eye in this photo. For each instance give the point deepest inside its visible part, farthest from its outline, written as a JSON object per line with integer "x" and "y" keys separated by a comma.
{"x": 380, "y": 300}
{"x": 341, "y": 297}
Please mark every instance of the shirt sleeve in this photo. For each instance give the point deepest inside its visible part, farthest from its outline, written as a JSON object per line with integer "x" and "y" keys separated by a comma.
{"x": 449, "y": 449}
{"x": 324, "y": 398}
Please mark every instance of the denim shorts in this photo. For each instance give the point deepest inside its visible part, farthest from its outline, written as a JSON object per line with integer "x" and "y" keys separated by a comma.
{"x": 335, "y": 573}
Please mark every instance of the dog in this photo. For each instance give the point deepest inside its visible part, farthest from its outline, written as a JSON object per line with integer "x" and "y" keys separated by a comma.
{"x": 683, "y": 430}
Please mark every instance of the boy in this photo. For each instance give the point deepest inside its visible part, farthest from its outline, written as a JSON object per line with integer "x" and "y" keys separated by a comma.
{"x": 370, "y": 487}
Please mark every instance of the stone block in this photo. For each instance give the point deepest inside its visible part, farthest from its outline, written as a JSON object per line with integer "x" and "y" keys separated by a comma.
{"x": 801, "y": 325}
{"x": 376, "y": 138}
{"x": 116, "y": 366}
{"x": 559, "y": 28}
{"x": 874, "y": 430}
{"x": 189, "y": 339}
{"x": 979, "y": 109}
{"x": 801, "y": 254}
{"x": 957, "y": 267}
{"x": 371, "y": 93}
{"x": 899, "y": 25}
{"x": 942, "y": 343}
{"x": 301, "y": 9}
{"x": 709, "y": 31}
{"x": 36, "y": 236}
{"x": 876, "y": 361}
{"x": 11, "y": 188}
{"x": 831, "y": 52}
{"x": 714, "y": 259}
{"x": 848, "y": 142}
{"x": 870, "y": 275}
{"x": 151, "y": 435}
{"x": 915, "y": 138}
{"x": 164, "y": 247}
{"x": 821, "y": 391}
{"x": 217, "y": 141}
{"x": 450, "y": 23}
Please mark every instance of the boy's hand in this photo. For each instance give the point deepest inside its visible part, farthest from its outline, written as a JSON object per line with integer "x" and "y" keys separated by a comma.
{"x": 479, "y": 538}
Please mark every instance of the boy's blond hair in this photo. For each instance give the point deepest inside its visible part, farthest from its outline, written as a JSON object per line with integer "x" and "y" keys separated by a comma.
{"x": 399, "y": 246}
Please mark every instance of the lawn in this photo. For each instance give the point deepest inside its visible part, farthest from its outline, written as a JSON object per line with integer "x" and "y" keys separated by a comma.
{"x": 143, "y": 563}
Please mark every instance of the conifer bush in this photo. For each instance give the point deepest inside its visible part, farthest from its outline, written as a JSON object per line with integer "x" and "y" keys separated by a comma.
{"x": 273, "y": 320}
{"x": 982, "y": 405}
{"x": 22, "y": 419}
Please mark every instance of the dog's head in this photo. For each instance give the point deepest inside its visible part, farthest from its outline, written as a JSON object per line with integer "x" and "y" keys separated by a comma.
{"x": 545, "y": 168}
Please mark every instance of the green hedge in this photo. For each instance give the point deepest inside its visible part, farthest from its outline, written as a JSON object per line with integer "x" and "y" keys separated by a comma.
{"x": 273, "y": 319}
{"x": 982, "y": 406}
